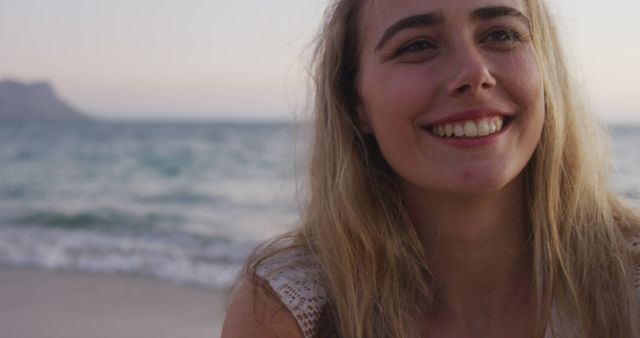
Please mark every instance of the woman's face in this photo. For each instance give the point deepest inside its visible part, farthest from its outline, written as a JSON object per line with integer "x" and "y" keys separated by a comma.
{"x": 451, "y": 91}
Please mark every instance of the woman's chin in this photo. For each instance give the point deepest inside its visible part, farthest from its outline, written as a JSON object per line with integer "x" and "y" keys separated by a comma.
{"x": 482, "y": 185}
{"x": 461, "y": 186}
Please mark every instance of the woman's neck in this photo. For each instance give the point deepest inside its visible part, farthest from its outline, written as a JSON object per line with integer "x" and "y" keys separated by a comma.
{"x": 477, "y": 249}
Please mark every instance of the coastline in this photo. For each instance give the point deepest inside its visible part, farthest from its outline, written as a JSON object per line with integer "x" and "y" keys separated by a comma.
{"x": 55, "y": 304}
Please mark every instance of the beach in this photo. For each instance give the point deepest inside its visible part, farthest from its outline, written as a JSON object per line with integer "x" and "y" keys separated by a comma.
{"x": 86, "y": 206}
{"x": 52, "y": 304}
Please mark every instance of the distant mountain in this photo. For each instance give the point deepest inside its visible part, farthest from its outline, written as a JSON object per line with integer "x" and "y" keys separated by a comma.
{"x": 36, "y": 100}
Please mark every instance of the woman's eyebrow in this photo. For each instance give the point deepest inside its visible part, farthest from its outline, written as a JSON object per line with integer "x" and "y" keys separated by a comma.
{"x": 488, "y": 13}
{"x": 430, "y": 19}
{"x": 420, "y": 20}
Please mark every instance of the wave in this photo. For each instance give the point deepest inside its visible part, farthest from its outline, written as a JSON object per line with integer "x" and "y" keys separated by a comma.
{"x": 181, "y": 196}
{"x": 180, "y": 259}
{"x": 108, "y": 219}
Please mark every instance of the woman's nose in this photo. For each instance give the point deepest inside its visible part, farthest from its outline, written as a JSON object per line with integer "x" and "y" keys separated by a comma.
{"x": 471, "y": 73}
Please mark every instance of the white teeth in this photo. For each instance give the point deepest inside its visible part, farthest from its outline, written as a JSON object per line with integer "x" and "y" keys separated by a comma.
{"x": 458, "y": 130}
{"x": 492, "y": 127}
{"x": 448, "y": 128}
{"x": 483, "y": 128}
{"x": 471, "y": 128}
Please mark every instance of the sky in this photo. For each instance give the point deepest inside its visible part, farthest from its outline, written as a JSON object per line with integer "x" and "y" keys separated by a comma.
{"x": 214, "y": 59}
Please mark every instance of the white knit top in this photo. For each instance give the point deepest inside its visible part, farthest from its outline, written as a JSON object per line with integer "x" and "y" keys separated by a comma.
{"x": 295, "y": 277}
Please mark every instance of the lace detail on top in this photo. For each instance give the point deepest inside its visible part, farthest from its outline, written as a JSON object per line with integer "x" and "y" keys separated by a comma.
{"x": 295, "y": 276}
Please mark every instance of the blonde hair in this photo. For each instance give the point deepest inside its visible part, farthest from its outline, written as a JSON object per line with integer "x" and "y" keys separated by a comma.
{"x": 374, "y": 266}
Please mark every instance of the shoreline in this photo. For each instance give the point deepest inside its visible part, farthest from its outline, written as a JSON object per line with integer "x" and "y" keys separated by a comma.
{"x": 37, "y": 303}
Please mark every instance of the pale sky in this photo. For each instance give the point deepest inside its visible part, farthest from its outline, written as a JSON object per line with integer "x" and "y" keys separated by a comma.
{"x": 210, "y": 59}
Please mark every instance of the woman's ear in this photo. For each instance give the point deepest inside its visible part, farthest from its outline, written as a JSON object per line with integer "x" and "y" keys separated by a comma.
{"x": 364, "y": 125}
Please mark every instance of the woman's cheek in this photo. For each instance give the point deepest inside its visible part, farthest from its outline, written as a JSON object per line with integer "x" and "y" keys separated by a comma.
{"x": 410, "y": 88}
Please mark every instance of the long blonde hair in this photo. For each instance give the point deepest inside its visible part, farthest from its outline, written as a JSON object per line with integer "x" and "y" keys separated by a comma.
{"x": 374, "y": 266}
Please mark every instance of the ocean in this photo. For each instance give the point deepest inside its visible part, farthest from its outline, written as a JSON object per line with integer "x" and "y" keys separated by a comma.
{"x": 181, "y": 202}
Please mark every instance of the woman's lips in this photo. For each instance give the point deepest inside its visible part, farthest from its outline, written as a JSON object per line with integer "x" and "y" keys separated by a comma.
{"x": 470, "y": 133}
{"x": 464, "y": 115}
{"x": 471, "y": 128}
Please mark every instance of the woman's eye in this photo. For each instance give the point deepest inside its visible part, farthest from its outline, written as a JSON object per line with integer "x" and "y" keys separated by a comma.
{"x": 503, "y": 35}
{"x": 416, "y": 46}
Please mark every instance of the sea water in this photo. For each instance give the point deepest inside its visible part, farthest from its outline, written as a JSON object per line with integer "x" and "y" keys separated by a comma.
{"x": 183, "y": 202}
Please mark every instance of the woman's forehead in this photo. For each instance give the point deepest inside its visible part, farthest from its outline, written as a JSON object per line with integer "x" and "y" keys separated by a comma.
{"x": 379, "y": 14}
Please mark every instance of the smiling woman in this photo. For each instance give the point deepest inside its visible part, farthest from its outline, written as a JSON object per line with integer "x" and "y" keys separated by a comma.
{"x": 460, "y": 68}
{"x": 458, "y": 188}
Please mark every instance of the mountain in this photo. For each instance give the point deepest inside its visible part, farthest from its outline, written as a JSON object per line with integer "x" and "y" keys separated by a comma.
{"x": 33, "y": 101}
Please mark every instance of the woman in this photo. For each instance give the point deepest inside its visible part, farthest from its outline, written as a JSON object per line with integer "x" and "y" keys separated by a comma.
{"x": 458, "y": 188}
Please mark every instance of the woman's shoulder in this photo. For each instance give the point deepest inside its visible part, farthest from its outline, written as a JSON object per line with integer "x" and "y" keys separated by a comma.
{"x": 252, "y": 313}
{"x": 295, "y": 277}
{"x": 281, "y": 294}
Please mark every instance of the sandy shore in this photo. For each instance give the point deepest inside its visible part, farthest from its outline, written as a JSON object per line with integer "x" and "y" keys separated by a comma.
{"x": 45, "y": 304}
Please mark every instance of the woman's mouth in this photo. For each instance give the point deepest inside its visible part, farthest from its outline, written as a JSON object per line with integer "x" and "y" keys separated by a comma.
{"x": 472, "y": 128}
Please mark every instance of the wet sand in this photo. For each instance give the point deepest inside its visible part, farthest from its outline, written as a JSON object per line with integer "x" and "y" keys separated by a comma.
{"x": 49, "y": 304}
